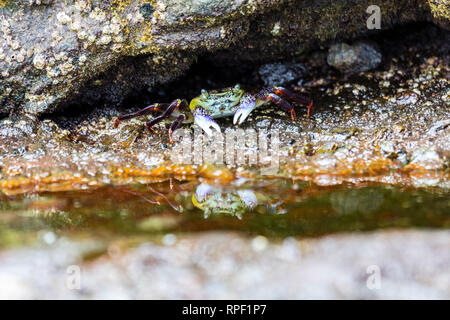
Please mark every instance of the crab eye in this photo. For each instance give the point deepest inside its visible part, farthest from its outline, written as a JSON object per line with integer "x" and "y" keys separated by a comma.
{"x": 204, "y": 93}
{"x": 237, "y": 87}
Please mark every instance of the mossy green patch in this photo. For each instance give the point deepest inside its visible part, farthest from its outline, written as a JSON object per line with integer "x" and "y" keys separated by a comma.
{"x": 440, "y": 8}
{"x": 11, "y": 5}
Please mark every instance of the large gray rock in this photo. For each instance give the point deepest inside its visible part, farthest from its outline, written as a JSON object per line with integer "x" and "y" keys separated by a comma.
{"x": 351, "y": 59}
{"x": 280, "y": 73}
{"x": 50, "y": 51}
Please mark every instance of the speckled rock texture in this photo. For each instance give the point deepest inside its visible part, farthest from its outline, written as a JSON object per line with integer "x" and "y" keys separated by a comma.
{"x": 91, "y": 51}
{"x": 390, "y": 125}
{"x": 274, "y": 74}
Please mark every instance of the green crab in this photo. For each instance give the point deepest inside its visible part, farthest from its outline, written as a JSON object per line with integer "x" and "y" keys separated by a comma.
{"x": 218, "y": 104}
{"x": 212, "y": 199}
{"x": 215, "y": 200}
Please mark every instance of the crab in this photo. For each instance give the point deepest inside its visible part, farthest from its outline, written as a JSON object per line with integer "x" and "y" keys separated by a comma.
{"x": 214, "y": 199}
{"x": 218, "y": 104}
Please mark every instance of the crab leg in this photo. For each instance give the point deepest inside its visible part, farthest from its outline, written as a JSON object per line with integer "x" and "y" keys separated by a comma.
{"x": 145, "y": 111}
{"x": 283, "y": 104}
{"x": 174, "y": 105}
{"x": 297, "y": 98}
{"x": 175, "y": 125}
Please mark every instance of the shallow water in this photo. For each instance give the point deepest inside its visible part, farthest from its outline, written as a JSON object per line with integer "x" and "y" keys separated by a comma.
{"x": 273, "y": 208}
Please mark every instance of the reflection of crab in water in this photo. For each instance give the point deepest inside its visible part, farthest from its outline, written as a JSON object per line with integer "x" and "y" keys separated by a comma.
{"x": 212, "y": 105}
{"x": 215, "y": 200}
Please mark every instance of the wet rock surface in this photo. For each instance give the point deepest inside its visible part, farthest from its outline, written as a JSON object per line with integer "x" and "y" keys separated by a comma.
{"x": 411, "y": 265}
{"x": 374, "y": 155}
{"x": 55, "y": 52}
{"x": 274, "y": 74}
{"x": 387, "y": 126}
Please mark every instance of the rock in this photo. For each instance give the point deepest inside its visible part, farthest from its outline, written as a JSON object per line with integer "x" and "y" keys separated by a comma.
{"x": 411, "y": 265}
{"x": 439, "y": 127}
{"x": 441, "y": 12}
{"x": 407, "y": 98}
{"x": 18, "y": 127}
{"x": 100, "y": 51}
{"x": 351, "y": 59}
{"x": 371, "y": 136}
{"x": 428, "y": 158}
{"x": 280, "y": 73}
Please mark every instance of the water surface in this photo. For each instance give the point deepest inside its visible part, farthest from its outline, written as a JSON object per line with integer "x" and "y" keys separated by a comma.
{"x": 273, "y": 208}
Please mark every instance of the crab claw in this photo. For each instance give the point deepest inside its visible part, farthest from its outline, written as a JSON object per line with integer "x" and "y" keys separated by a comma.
{"x": 248, "y": 197}
{"x": 203, "y": 191}
{"x": 247, "y": 105}
{"x": 206, "y": 122}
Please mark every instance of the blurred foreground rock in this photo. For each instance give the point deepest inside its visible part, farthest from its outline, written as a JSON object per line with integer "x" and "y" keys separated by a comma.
{"x": 379, "y": 265}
